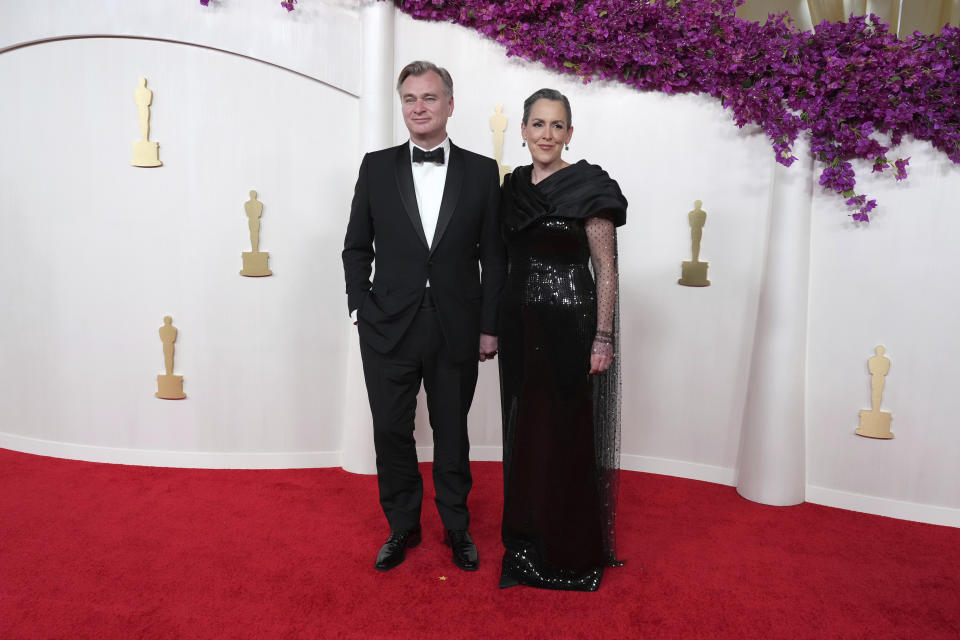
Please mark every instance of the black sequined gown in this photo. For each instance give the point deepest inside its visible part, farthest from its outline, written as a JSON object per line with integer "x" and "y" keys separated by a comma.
{"x": 560, "y": 424}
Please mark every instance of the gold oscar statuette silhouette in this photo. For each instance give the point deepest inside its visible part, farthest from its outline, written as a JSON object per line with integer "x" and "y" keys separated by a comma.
{"x": 169, "y": 386}
{"x": 875, "y": 423}
{"x": 255, "y": 262}
{"x": 498, "y": 124}
{"x": 693, "y": 272}
{"x": 145, "y": 153}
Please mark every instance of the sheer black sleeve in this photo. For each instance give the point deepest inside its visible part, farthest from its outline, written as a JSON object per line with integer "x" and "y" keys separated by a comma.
{"x": 602, "y": 237}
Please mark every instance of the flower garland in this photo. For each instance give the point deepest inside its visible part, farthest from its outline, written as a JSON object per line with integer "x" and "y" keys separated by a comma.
{"x": 854, "y": 86}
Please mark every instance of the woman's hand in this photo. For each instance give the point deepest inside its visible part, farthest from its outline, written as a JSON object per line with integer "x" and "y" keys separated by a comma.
{"x": 600, "y": 363}
{"x": 601, "y": 355}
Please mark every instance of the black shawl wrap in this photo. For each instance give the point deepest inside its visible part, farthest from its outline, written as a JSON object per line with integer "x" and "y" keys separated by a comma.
{"x": 577, "y": 191}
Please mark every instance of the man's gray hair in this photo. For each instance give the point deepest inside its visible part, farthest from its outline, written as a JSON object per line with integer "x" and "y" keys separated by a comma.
{"x": 547, "y": 94}
{"x": 420, "y": 67}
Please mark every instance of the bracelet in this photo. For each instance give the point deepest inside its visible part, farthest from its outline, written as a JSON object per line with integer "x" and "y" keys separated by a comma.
{"x": 604, "y": 337}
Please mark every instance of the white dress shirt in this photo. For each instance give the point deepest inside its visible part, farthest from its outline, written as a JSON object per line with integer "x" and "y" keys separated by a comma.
{"x": 428, "y": 181}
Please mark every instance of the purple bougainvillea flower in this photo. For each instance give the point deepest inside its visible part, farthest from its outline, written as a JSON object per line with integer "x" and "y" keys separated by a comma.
{"x": 205, "y": 3}
{"x": 901, "y": 165}
{"x": 288, "y": 5}
{"x": 855, "y": 88}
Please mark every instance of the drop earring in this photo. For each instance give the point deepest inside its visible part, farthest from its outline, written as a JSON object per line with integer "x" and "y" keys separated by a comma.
{"x": 524, "y": 143}
{"x": 566, "y": 147}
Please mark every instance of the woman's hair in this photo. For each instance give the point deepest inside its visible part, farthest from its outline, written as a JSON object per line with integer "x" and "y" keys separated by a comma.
{"x": 420, "y": 67}
{"x": 547, "y": 94}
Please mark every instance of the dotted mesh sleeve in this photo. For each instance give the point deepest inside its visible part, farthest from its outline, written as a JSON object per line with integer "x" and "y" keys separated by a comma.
{"x": 602, "y": 236}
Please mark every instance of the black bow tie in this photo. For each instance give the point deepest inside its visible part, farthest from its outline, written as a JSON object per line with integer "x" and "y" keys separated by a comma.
{"x": 419, "y": 155}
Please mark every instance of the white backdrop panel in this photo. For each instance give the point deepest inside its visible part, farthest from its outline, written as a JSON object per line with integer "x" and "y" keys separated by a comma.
{"x": 99, "y": 251}
{"x": 891, "y": 282}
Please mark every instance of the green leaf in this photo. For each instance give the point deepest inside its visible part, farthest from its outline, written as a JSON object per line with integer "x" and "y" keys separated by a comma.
{"x": 569, "y": 65}
{"x": 849, "y": 193}
{"x": 602, "y": 13}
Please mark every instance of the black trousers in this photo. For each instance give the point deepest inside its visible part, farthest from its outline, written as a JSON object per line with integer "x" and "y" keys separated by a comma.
{"x": 393, "y": 381}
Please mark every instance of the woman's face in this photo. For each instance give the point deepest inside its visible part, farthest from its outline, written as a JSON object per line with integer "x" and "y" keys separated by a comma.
{"x": 546, "y": 131}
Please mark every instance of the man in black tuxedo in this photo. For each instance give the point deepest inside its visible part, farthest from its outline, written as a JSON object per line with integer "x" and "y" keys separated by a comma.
{"x": 430, "y": 208}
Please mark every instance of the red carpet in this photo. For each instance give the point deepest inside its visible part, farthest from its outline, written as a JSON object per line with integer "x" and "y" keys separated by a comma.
{"x": 108, "y": 551}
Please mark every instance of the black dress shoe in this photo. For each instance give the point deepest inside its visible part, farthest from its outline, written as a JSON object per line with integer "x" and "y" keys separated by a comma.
{"x": 464, "y": 550}
{"x": 394, "y": 550}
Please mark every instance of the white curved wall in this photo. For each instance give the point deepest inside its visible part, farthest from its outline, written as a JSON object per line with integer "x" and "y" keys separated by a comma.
{"x": 99, "y": 251}
{"x": 96, "y": 252}
{"x": 891, "y": 282}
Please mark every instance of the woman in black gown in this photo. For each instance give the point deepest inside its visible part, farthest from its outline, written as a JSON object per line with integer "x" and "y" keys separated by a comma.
{"x": 558, "y": 374}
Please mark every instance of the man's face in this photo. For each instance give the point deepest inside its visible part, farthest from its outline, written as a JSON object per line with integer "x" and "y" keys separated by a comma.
{"x": 425, "y": 108}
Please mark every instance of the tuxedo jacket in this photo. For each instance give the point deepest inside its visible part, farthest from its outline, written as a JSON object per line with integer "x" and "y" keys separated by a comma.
{"x": 385, "y": 231}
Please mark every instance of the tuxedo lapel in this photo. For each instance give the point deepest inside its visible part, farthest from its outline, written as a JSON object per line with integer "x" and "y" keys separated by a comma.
{"x": 451, "y": 193}
{"x": 408, "y": 194}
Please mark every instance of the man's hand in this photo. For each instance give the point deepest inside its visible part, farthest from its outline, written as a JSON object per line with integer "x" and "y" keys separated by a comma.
{"x": 488, "y": 347}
